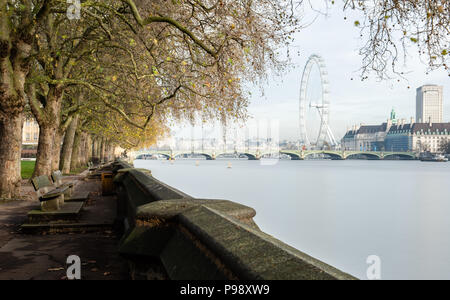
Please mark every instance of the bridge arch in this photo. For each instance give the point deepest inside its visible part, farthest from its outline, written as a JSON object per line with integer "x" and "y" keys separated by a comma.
{"x": 403, "y": 156}
{"x": 334, "y": 155}
{"x": 164, "y": 155}
{"x": 206, "y": 155}
{"x": 250, "y": 156}
{"x": 293, "y": 156}
{"x": 371, "y": 156}
{"x": 150, "y": 155}
{"x": 306, "y": 155}
{"x": 271, "y": 154}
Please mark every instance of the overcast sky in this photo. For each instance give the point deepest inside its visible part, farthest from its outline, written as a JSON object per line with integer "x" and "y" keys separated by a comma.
{"x": 352, "y": 101}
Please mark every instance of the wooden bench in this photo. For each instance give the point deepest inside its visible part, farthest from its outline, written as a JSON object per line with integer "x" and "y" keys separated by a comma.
{"x": 91, "y": 166}
{"x": 70, "y": 195}
{"x": 51, "y": 198}
{"x": 57, "y": 178}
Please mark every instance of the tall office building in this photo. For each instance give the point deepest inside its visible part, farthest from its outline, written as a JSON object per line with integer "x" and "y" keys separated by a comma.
{"x": 430, "y": 104}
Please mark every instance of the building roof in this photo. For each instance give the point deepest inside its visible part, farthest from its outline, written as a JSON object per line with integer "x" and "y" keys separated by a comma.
{"x": 441, "y": 127}
{"x": 372, "y": 129}
{"x": 366, "y": 129}
{"x": 350, "y": 134}
{"x": 400, "y": 127}
{"x": 420, "y": 127}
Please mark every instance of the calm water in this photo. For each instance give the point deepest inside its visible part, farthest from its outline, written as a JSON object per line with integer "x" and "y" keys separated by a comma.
{"x": 340, "y": 212}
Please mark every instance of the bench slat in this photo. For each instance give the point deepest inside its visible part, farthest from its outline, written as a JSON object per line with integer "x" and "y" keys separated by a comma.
{"x": 41, "y": 182}
{"x": 54, "y": 193}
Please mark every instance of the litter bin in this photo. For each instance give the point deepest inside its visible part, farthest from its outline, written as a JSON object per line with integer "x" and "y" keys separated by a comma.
{"x": 107, "y": 183}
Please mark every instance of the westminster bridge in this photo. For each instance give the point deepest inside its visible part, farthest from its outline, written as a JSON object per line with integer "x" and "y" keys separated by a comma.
{"x": 293, "y": 154}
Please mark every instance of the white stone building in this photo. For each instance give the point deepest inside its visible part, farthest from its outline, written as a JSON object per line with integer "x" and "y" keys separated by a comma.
{"x": 418, "y": 137}
{"x": 30, "y": 132}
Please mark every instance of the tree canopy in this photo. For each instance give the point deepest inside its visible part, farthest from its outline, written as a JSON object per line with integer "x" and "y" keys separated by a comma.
{"x": 117, "y": 71}
{"x": 391, "y": 29}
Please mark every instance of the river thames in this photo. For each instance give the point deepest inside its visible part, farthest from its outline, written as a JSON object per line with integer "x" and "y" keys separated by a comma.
{"x": 340, "y": 212}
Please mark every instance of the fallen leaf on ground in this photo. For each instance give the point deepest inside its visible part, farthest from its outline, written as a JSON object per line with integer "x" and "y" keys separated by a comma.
{"x": 106, "y": 273}
{"x": 55, "y": 269}
{"x": 92, "y": 261}
{"x": 94, "y": 270}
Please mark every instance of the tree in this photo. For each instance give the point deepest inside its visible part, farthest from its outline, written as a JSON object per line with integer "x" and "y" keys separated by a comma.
{"x": 18, "y": 22}
{"x": 190, "y": 60}
{"x": 142, "y": 64}
{"x": 187, "y": 56}
{"x": 60, "y": 44}
{"x": 445, "y": 147}
{"x": 392, "y": 27}
{"x": 68, "y": 146}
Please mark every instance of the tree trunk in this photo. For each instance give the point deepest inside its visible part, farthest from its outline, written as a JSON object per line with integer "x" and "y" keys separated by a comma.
{"x": 102, "y": 151}
{"x": 114, "y": 152}
{"x": 82, "y": 154}
{"x": 99, "y": 148}
{"x": 56, "y": 150}
{"x": 44, "y": 151}
{"x": 10, "y": 152}
{"x": 50, "y": 135}
{"x": 67, "y": 149}
{"x": 95, "y": 149}
{"x": 15, "y": 50}
{"x": 88, "y": 151}
{"x": 106, "y": 155}
{"x": 109, "y": 152}
{"x": 76, "y": 151}
{"x": 94, "y": 141}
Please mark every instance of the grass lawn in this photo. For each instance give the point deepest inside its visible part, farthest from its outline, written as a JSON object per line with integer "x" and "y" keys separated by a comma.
{"x": 27, "y": 169}
{"x": 78, "y": 170}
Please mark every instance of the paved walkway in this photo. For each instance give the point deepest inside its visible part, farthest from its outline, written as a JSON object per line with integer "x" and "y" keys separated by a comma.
{"x": 43, "y": 256}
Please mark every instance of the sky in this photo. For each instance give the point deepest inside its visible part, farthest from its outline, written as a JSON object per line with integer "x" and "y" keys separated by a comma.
{"x": 353, "y": 102}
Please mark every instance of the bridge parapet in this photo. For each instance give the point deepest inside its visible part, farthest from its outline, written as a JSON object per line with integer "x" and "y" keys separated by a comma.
{"x": 180, "y": 237}
{"x": 294, "y": 154}
{"x": 347, "y": 154}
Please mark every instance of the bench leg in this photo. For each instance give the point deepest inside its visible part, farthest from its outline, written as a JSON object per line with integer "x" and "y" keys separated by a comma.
{"x": 53, "y": 205}
{"x": 61, "y": 200}
{"x": 68, "y": 193}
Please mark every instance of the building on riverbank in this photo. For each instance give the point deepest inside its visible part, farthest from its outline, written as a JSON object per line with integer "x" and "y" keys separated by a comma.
{"x": 399, "y": 137}
{"x": 427, "y": 135}
{"x": 348, "y": 142}
{"x": 368, "y": 137}
{"x": 418, "y": 137}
